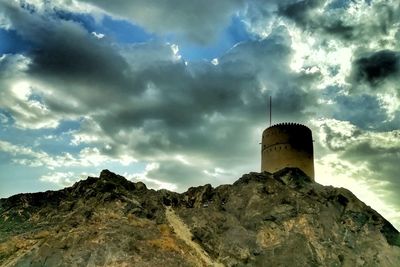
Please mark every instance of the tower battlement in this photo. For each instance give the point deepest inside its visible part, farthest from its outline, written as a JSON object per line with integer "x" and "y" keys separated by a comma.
{"x": 287, "y": 145}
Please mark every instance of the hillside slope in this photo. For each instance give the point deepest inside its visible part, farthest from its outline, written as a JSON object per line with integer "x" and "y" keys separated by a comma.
{"x": 263, "y": 219}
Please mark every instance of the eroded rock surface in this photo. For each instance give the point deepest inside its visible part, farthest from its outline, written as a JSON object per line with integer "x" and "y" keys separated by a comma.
{"x": 281, "y": 219}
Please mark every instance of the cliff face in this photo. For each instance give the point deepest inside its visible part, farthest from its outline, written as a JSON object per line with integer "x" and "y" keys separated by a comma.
{"x": 283, "y": 219}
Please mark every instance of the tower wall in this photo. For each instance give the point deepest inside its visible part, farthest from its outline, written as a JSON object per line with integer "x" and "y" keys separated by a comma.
{"x": 287, "y": 145}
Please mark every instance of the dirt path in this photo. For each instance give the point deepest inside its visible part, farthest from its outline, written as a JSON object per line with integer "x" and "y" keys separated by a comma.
{"x": 183, "y": 232}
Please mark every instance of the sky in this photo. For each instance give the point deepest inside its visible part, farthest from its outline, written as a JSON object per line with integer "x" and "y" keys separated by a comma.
{"x": 175, "y": 93}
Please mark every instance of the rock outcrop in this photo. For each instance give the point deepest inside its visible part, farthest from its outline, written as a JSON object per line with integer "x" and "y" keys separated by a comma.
{"x": 281, "y": 219}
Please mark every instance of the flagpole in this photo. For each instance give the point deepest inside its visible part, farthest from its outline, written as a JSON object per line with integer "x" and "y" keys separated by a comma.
{"x": 270, "y": 110}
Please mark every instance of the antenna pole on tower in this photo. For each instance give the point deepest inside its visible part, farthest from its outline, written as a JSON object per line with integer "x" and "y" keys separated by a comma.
{"x": 270, "y": 110}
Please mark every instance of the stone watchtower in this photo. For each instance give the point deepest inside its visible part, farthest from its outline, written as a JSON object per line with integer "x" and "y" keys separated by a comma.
{"x": 287, "y": 145}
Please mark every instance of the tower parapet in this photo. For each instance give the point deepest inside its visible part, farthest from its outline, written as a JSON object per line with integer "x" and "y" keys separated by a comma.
{"x": 287, "y": 145}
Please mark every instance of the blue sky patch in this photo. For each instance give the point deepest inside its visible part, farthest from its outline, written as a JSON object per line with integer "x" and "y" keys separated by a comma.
{"x": 123, "y": 31}
{"x": 67, "y": 126}
{"x": 24, "y": 179}
{"x": 85, "y": 20}
{"x": 126, "y": 32}
{"x": 12, "y": 43}
{"x": 338, "y": 4}
{"x": 235, "y": 33}
{"x": 120, "y": 31}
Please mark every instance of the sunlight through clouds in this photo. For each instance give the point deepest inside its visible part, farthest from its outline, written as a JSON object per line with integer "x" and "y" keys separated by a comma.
{"x": 177, "y": 96}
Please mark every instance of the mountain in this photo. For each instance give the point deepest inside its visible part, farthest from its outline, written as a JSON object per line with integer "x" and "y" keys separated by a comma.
{"x": 263, "y": 219}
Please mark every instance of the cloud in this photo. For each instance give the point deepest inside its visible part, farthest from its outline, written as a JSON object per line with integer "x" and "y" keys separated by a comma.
{"x": 377, "y": 151}
{"x": 54, "y": 69}
{"x": 346, "y": 21}
{"x": 198, "y": 121}
{"x": 328, "y": 34}
{"x": 20, "y": 98}
{"x": 87, "y": 157}
{"x": 375, "y": 67}
{"x": 61, "y": 179}
{"x": 26, "y": 152}
{"x": 151, "y": 182}
{"x": 3, "y": 119}
{"x": 198, "y": 21}
{"x": 196, "y": 110}
{"x": 365, "y": 161}
{"x": 66, "y": 50}
{"x": 142, "y": 102}
{"x": 370, "y": 111}
{"x": 299, "y": 11}
{"x": 370, "y": 187}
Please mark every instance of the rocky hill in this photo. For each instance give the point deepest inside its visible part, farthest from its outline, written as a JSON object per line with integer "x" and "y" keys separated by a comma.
{"x": 263, "y": 219}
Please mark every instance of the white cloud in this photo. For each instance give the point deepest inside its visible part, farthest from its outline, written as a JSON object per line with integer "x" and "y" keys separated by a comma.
{"x": 218, "y": 172}
{"x": 341, "y": 134}
{"x": 321, "y": 56}
{"x": 61, "y": 179}
{"x": 21, "y": 90}
{"x": 343, "y": 130}
{"x": 64, "y": 179}
{"x": 17, "y": 92}
{"x": 175, "y": 51}
{"x": 98, "y": 35}
{"x": 87, "y": 157}
{"x": 390, "y": 103}
{"x": 183, "y": 159}
{"x": 151, "y": 182}
{"x": 90, "y": 132}
{"x": 15, "y": 150}
{"x": 215, "y": 61}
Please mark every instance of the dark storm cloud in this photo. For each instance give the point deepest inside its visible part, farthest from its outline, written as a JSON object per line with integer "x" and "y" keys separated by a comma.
{"x": 64, "y": 49}
{"x": 375, "y": 67}
{"x": 299, "y": 11}
{"x": 381, "y": 19}
{"x": 335, "y": 21}
{"x": 340, "y": 29}
{"x": 197, "y": 121}
{"x": 72, "y": 62}
{"x": 181, "y": 97}
{"x": 209, "y": 112}
{"x": 144, "y": 101}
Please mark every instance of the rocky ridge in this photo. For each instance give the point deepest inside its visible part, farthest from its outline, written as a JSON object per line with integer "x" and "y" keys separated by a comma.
{"x": 263, "y": 219}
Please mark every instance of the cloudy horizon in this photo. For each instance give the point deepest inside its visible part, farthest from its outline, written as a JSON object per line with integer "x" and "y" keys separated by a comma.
{"x": 175, "y": 93}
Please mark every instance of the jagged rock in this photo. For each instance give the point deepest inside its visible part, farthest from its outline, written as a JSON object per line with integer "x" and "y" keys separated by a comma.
{"x": 263, "y": 219}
